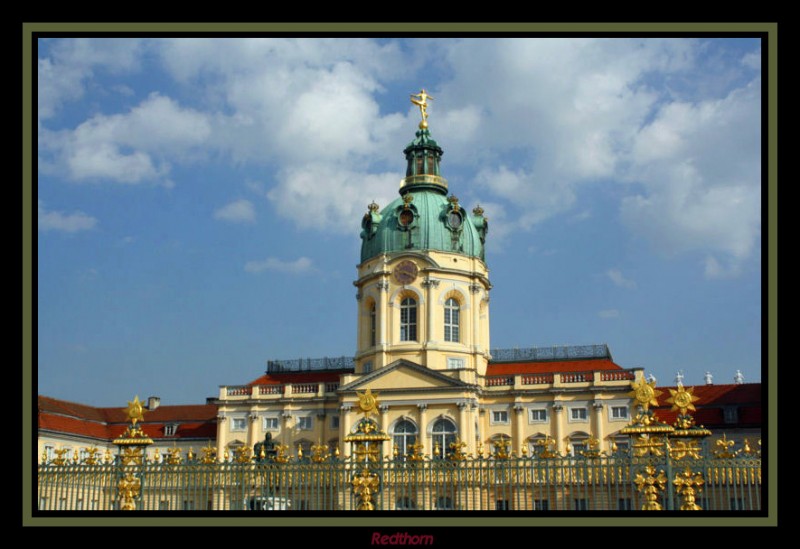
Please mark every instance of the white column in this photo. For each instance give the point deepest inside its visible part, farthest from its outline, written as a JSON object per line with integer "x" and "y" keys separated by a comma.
{"x": 222, "y": 433}
{"x": 287, "y": 417}
{"x": 344, "y": 429}
{"x": 252, "y": 429}
{"x": 475, "y": 297}
{"x": 558, "y": 410}
{"x": 463, "y": 423}
{"x": 598, "y": 423}
{"x": 423, "y": 428}
{"x": 519, "y": 433}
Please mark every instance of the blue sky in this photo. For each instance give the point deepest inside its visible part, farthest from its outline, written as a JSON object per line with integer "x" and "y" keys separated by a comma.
{"x": 199, "y": 200}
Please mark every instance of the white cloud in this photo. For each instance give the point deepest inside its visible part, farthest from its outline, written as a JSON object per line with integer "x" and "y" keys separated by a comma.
{"x": 131, "y": 147}
{"x": 700, "y": 167}
{"x": 298, "y": 266}
{"x": 328, "y": 197}
{"x": 617, "y": 278}
{"x": 238, "y": 211}
{"x": 608, "y": 313}
{"x": 62, "y": 75}
{"x": 64, "y": 222}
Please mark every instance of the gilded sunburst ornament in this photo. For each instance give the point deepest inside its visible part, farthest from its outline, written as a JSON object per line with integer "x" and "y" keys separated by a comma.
{"x": 682, "y": 399}
{"x": 645, "y": 393}
{"x": 135, "y": 410}
{"x": 367, "y": 402}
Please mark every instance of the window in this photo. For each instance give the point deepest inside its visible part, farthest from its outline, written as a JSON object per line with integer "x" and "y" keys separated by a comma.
{"x": 541, "y": 505}
{"x": 578, "y": 414}
{"x": 442, "y": 435}
{"x": 578, "y": 445}
{"x": 270, "y": 424}
{"x": 163, "y": 505}
{"x": 405, "y": 503}
{"x": 408, "y": 319}
{"x": 499, "y": 417}
{"x": 372, "y": 325}
{"x": 188, "y": 505}
{"x": 737, "y": 504}
{"x": 501, "y": 505}
{"x": 455, "y": 363}
{"x": 581, "y": 504}
{"x": 451, "y": 323}
{"x": 367, "y": 367}
{"x": 405, "y": 435}
{"x": 624, "y": 504}
{"x": 444, "y": 503}
{"x": 238, "y": 424}
{"x": 538, "y": 416}
{"x": 305, "y": 423}
{"x": 170, "y": 429}
{"x": 334, "y": 422}
{"x": 730, "y": 414}
{"x": 619, "y": 412}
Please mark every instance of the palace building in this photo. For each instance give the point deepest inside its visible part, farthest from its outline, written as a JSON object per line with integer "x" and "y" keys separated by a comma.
{"x": 457, "y": 425}
{"x": 423, "y": 345}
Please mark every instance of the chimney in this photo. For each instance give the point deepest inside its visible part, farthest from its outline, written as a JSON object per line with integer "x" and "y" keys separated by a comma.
{"x": 153, "y": 402}
{"x": 709, "y": 378}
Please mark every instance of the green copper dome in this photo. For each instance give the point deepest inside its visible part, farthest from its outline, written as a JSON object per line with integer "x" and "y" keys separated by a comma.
{"x": 423, "y": 217}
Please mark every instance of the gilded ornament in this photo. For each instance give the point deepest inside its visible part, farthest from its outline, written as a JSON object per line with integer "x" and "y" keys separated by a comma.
{"x": 135, "y": 410}
{"x": 682, "y": 449}
{"x": 648, "y": 445}
{"x": 421, "y": 100}
{"x": 209, "y": 455}
{"x": 457, "y": 450}
{"x": 645, "y": 393}
{"x": 688, "y": 485}
{"x": 650, "y": 485}
{"x": 365, "y": 485}
{"x": 367, "y": 402}
{"x": 724, "y": 448}
{"x": 682, "y": 399}
{"x": 132, "y": 455}
{"x": 173, "y": 456}
{"x": 128, "y": 488}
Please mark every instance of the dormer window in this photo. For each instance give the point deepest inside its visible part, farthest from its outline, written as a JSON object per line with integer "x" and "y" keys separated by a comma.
{"x": 170, "y": 429}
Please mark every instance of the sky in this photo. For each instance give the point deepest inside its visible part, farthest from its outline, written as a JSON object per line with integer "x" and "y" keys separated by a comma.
{"x": 199, "y": 200}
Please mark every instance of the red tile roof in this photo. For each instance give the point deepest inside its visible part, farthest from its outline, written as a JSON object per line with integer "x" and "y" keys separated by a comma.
{"x": 551, "y": 366}
{"x": 194, "y": 421}
{"x": 713, "y": 399}
{"x": 300, "y": 377}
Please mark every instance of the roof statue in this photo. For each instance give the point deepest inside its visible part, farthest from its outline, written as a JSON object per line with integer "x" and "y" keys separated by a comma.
{"x": 421, "y": 100}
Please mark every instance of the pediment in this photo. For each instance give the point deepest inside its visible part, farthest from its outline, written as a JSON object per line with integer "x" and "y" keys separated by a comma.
{"x": 403, "y": 374}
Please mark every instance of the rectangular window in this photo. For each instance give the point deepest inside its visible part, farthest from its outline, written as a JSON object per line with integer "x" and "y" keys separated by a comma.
{"x": 163, "y": 505}
{"x": 541, "y": 505}
{"x": 170, "y": 429}
{"x": 581, "y": 504}
{"x": 334, "y": 422}
{"x": 538, "y": 416}
{"x": 238, "y": 424}
{"x": 270, "y": 424}
{"x": 501, "y": 505}
{"x": 578, "y": 414}
{"x": 624, "y": 504}
{"x": 737, "y": 504}
{"x": 305, "y": 423}
{"x": 499, "y": 417}
{"x": 408, "y": 320}
{"x": 455, "y": 363}
{"x": 619, "y": 412}
{"x": 188, "y": 505}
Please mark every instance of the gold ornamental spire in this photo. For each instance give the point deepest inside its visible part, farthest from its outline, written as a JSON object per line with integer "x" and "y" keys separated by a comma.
{"x": 421, "y": 100}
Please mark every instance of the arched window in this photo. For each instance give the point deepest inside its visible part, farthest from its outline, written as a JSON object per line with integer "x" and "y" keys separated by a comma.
{"x": 405, "y": 435}
{"x": 451, "y": 321}
{"x": 408, "y": 319}
{"x": 443, "y": 434}
{"x": 373, "y": 323}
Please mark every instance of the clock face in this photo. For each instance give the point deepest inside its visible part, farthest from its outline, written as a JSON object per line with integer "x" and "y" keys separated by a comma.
{"x": 405, "y": 272}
